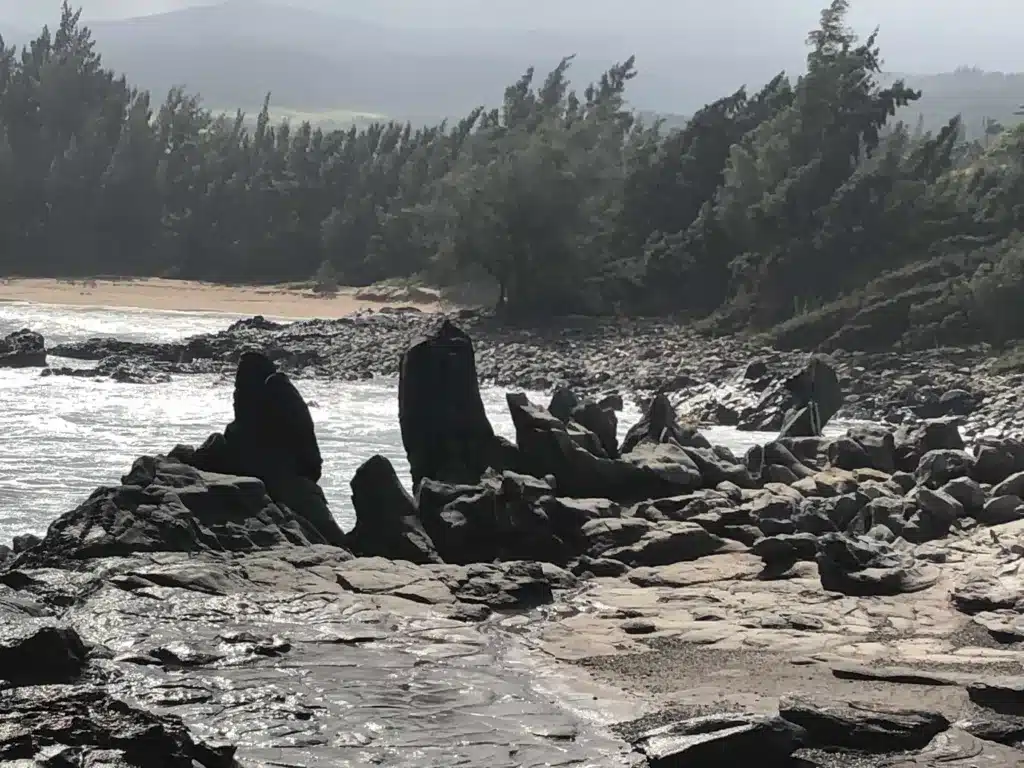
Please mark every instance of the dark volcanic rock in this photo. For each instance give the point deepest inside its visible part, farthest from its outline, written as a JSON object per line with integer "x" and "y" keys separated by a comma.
{"x": 272, "y": 433}
{"x": 914, "y": 441}
{"x": 862, "y": 566}
{"x": 938, "y": 467}
{"x": 878, "y": 443}
{"x": 272, "y": 437}
{"x": 445, "y": 429}
{"x": 598, "y": 418}
{"x": 669, "y": 543}
{"x": 786, "y": 549}
{"x": 995, "y": 459}
{"x": 721, "y": 741}
{"x": 22, "y": 349}
{"x": 387, "y": 523}
{"x": 505, "y": 517}
{"x": 660, "y": 424}
{"x": 37, "y": 652}
{"x": 84, "y": 726}
{"x": 800, "y": 405}
{"x": 646, "y": 471}
{"x": 861, "y": 727}
{"x": 166, "y": 506}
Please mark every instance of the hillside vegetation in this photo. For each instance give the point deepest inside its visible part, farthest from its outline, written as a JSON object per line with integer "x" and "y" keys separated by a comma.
{"x": 799, "y": 210}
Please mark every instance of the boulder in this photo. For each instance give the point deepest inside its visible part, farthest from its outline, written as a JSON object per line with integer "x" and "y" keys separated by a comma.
{"x": 995, "y": 459}
{"x": 163, "y": 505}
{"x": 87, "y": 726}
{"x": 660, "y": 424}
{"x": 913, "y": 441}
{"x": 938, "y": 467}
{"x": 646, "y": 471}
{"x": 40, "y": 652}
{"x": 979, "y": 592}
{"x": 846, "y": 453}
{"x": 786, "y": 549}
{"x": 878, "y": 443}
{"x": 1011, "y": 486}
{"x": 800, "y": 405}
{"x": 272, "y": 438}
{"x": 507, "y": 516}
{"x": 863, "y": 567}
{"x": 24, "y": 542}
{"x": 667, "y": 544}
{"x": 1000, "y": 510}
{"x": 597, "y": 418}
{"x": 860, "y": 726}
{"x": 387, "y": 523}
{"x": 967, "y": 491}
{"x": 23, "y": 349}
{"x": 445, "y": 429}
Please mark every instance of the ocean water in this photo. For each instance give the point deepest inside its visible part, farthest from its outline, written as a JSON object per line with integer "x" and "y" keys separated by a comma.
{"x": 62, "y": 436}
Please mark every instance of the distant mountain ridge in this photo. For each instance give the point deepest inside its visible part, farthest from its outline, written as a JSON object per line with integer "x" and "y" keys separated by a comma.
{"x": 234, "y": 52}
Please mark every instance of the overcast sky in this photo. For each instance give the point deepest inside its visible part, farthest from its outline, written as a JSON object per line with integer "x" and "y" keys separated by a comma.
{"x": 917, "y": 35}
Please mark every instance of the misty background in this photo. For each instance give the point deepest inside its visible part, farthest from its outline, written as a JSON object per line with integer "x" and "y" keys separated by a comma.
{"x": 334, "y": 61}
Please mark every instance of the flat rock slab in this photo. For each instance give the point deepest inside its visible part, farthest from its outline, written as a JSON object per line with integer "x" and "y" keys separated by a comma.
{"x": 1000, "y": 693}
{"x": 993, "y": 726}
{"x": 898, "y": 675}
{"x": 959, "y": 749}
{"x": 862, "y": 727}
{"x": 1004, "y": 626}
{"x": 718, "y": 741}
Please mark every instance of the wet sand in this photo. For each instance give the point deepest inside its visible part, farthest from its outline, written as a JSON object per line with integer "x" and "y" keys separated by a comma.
{"x": 281, "y": 301}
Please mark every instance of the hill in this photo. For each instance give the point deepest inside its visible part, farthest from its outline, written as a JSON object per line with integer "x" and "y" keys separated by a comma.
{"x": 235, "y": 52}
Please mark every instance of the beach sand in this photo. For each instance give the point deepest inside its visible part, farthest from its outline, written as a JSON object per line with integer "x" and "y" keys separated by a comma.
{"x": 185, "y": 295}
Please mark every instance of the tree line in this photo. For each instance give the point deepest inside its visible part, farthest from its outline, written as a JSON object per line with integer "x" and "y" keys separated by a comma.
{"x": 779, "y": 208}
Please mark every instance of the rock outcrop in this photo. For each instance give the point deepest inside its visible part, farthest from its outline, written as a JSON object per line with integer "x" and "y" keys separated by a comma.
{"x": 445, "y": 429}
{"x": 205, "y": 586}
{"x": 164, "y": 505}
{"x": 800, "y": 405}
{"x": 387, "y": 521}
{"x": 23, "y": 349}
{"x": 271, "y": 438}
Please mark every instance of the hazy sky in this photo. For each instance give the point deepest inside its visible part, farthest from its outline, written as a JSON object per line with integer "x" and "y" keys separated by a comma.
{"x": 917, "y": 35}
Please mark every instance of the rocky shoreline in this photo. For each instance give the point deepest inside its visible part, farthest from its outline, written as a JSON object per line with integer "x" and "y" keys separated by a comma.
{"x": 856, "y": 601}
{"x": 712, "y": 380}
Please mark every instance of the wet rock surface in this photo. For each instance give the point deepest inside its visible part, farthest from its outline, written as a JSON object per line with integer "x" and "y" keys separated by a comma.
{"x": 22, "y": 349}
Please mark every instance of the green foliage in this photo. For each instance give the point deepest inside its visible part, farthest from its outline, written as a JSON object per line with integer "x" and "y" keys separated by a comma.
{"x": 805, "y": 210}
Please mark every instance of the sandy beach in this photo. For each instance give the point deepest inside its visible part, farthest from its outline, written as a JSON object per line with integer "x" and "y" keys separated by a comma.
{"x": 282, "y": 301}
